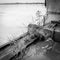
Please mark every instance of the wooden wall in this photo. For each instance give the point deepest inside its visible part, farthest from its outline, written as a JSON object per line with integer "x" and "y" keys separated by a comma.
{"x": 53, "y": 9}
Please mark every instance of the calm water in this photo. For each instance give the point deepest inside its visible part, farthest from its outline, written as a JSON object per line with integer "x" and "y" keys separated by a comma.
{"x": 7, "y": 34}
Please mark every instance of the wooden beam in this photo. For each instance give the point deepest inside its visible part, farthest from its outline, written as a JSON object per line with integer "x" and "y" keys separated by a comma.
{"x": 51, "y": 12}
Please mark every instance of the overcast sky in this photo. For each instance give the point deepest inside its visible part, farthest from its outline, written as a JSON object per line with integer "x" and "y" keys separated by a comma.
{"x": 12, "y": 1}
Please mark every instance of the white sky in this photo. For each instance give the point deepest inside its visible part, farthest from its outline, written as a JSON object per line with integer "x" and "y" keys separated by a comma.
{"x": 12, "y": 1}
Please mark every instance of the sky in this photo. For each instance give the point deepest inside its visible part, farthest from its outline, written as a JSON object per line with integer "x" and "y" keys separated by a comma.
{"x": 12, "y": 1}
